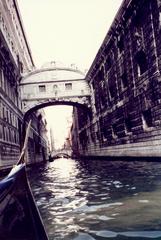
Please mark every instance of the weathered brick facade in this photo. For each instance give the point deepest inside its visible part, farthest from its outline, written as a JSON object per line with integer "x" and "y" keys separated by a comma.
{"x": 125, "y": 82}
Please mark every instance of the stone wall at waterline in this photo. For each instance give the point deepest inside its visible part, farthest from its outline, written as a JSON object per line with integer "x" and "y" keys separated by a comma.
{"x": 125, "y": 83}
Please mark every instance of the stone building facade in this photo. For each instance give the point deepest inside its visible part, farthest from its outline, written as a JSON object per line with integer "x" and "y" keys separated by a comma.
{"x": 74, "y": 134}
{"x": 15, "y": 59}
{"x": 125, "y": 81}
{"x": 38, "y": 146}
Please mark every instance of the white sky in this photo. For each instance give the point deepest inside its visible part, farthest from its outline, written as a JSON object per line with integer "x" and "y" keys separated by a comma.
{"x": 69, "y": 31}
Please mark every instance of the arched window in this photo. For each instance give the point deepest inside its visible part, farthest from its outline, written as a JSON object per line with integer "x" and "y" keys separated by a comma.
{"x": 141, "y": 62}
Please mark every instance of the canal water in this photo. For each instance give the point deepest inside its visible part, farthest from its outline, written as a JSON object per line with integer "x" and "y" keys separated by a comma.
{"x": 98, "y": 199}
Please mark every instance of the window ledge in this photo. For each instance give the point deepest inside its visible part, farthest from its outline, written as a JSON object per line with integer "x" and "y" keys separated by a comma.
{"x": 148, "y": 129}
{"x": 128, "y": 133}
{"x": 145, "y": 74}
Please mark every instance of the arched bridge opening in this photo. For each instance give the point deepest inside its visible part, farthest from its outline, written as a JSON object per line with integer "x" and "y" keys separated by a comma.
{"x": 53, "y": 102}
{"x": 84, "y": 108}
{"x": 65, "y": 153}
{"x": 59, "y": 155}
{"x": 54, "y": 85}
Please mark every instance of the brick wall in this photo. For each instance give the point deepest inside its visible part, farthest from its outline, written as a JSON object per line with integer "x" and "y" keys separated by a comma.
{"x": 125, "y": 78}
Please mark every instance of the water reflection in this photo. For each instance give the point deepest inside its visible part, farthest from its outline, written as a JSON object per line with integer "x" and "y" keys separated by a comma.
{"x": 99, "y": 199}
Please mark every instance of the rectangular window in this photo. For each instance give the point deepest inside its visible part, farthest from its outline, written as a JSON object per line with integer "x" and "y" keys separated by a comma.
{"x": 2, "y": 79}
{"x": 108, "y": 63}
{"x": 112, "y": 85}
{"x": 7, "y": 116}
{"x": 142, "y": 64}
{"x": 112, "y": 90}
{"x": 4, "y": 113}
{"x": 42, "y": 88}
{"x": 128, "y": 125}
{"x": 120, "y": 44}
{"x": 1, "y": 132}
{"x": 68, "y": 86}
{"x": 11, "y": 118}
{"x": 4, "y": 133}
{"x": 124, "y": 80}
{"x": 147, "y": 119}
{"x": 1, "y": 107}
{"x": 114, "y": 131}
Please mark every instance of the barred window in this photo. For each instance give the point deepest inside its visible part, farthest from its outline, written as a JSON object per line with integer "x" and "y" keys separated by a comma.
{"x": 124, "y": 80}
{"x": 120, "y": 44}
{"x": 128, "y": 124}
{"x": 147, "y": 118}
{"x": 42, "y": 88}
{"x": 68, "y": 86}
{"x": 141, "y": 62}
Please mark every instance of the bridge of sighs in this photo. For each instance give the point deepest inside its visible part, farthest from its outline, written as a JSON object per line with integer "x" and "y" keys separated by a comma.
{"x": 54, "y": 85}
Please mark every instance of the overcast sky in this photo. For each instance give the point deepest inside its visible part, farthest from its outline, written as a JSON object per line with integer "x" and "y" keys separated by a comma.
{"x": 69, "y": 31}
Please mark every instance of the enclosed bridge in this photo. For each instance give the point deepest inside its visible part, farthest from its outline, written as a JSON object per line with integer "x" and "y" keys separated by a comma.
{"x": 54, "y": 84}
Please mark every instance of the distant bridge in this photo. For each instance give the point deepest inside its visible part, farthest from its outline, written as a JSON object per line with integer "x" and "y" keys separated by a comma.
{"x": 61, "y": 153}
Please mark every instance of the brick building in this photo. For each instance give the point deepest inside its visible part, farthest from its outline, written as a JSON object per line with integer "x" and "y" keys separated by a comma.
{"x": 125, "y": 81}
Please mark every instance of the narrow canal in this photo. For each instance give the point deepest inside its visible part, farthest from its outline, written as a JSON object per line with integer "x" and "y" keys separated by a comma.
{"x": 99, "y": 199}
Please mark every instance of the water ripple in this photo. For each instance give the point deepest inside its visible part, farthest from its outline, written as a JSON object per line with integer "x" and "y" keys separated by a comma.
{"x": 78, "y": 200}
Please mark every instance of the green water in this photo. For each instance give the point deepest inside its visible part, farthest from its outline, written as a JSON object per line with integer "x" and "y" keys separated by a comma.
{"x": 98, "y": 199}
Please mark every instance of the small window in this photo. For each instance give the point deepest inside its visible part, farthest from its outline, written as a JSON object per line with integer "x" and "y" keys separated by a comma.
{"x": 112, "y": 86}
{"x": 114, "y": 131}
{"x": 112, "y": 90}
{"x": 128, "y": 125}
{"x": 68, "y": 86}
{"x": 42, "y": 88}
{"x": 147, "y": 119}
{"x": 4, "y": 133}
{"x": 1, "y": 133}
{"x": 100, "y": 75}
{"x": 108, "y": 63}
{"x": 141, "y": 62}
{"x": 1, "y": 77}
{"x": 124, "y": 80}
{"x": 120, "y": 44}
{"x": 4, "y": 113}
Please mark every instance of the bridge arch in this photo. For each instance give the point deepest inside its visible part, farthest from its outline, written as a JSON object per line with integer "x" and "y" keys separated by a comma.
{"x": 61, "y": 153}
{"x": 44, "y": 104}
{"x": 54, "y": 85}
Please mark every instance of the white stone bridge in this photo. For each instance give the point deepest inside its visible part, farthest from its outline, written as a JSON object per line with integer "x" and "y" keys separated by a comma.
{"x": 61, "y": 153}
{"x": 54, "y": 85}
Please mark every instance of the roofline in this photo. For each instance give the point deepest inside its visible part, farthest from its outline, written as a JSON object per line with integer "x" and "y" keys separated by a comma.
{"x": 52, "y": 81}
{"x": 23, "y": 30}
{"x": 51, "y": 69}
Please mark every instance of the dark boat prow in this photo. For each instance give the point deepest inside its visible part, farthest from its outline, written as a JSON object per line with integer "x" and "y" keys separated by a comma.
{"x": 19, "y": 215}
